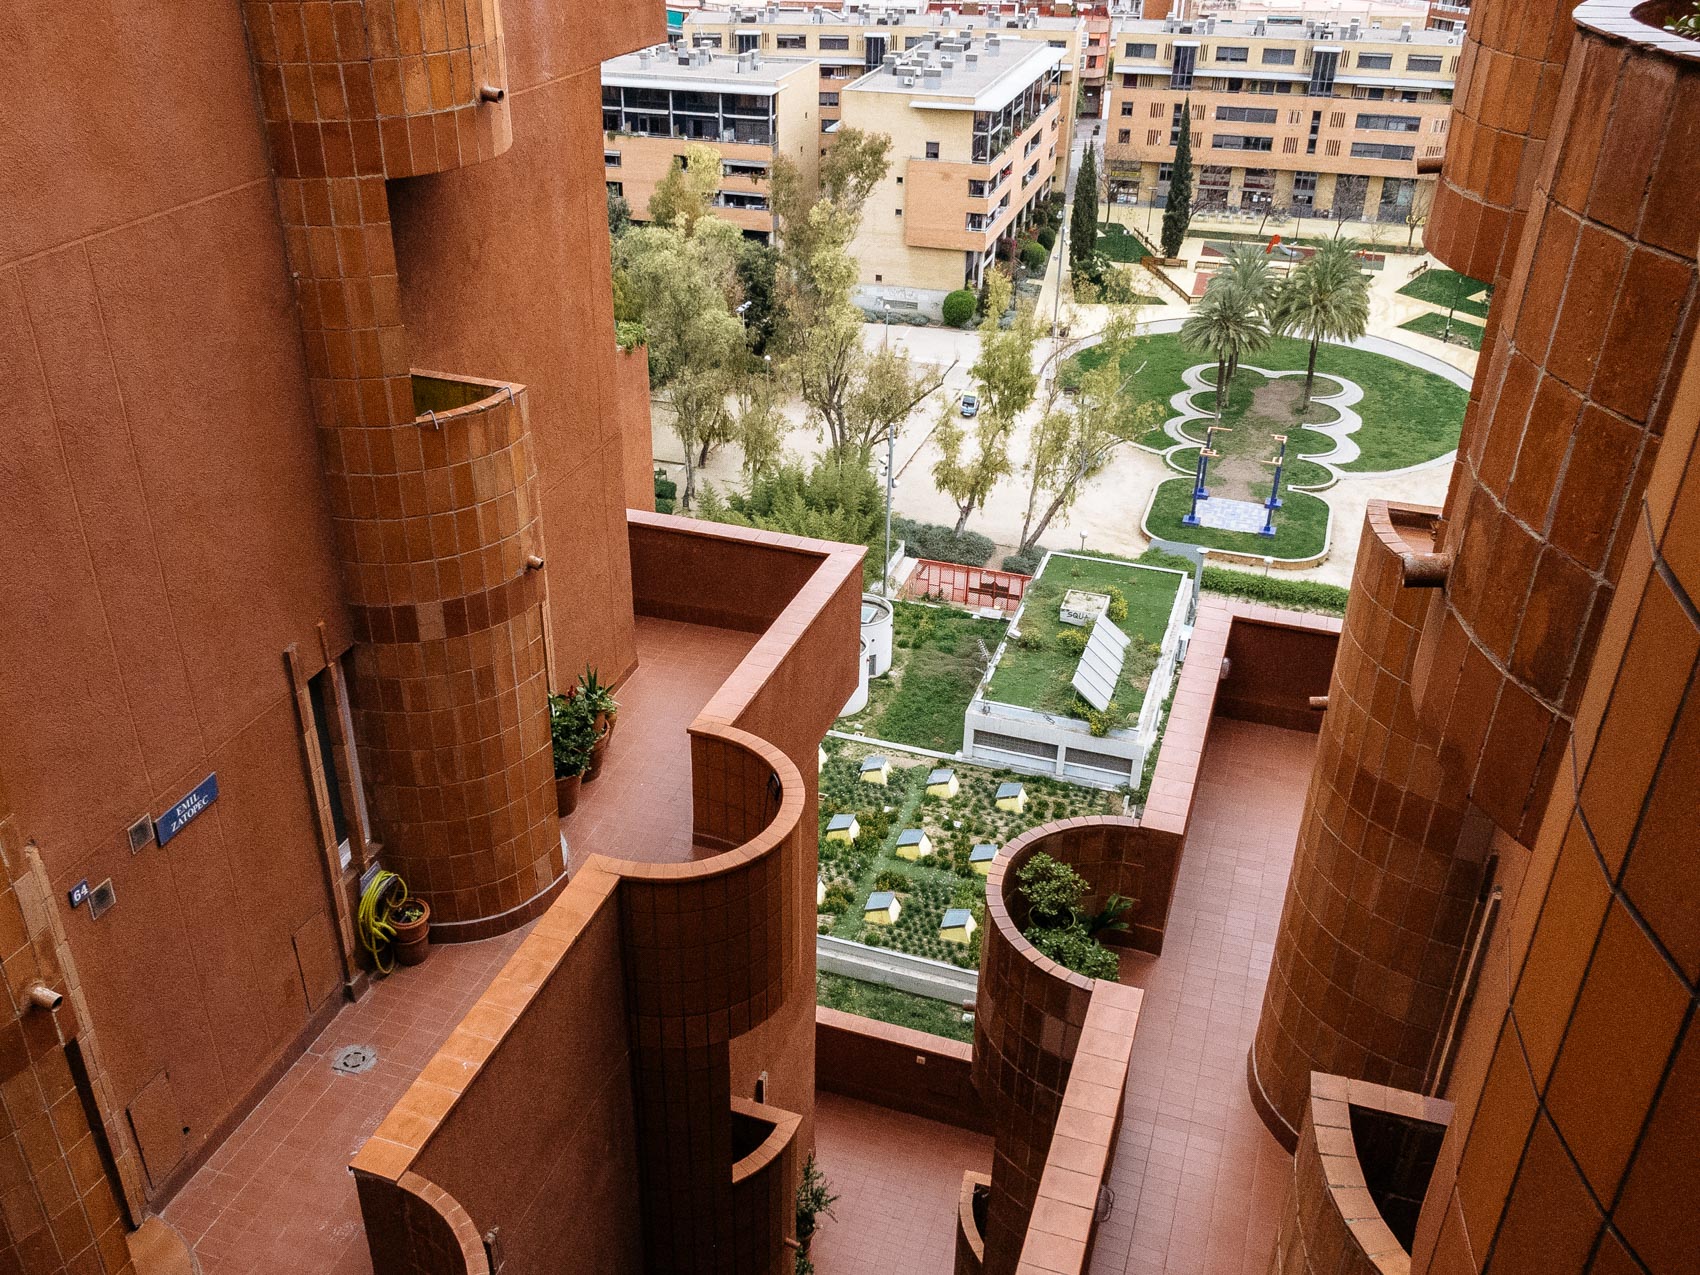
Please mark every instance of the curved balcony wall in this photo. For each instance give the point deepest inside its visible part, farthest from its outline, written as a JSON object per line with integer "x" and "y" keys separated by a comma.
{"x": 1379, "y": 900}
{"x": 1509, "y": 75}
{"x": 1030, "y": 1016}
{"x": 425, "y": 1232}
{"x": 391, "y": 88}
{"x": 437, "y": 520}
{"x": 1364, "y": 1157}
{"x": 1572, "y": 405}
{"x": 1578, "y": 1145}
{"x": 762, "y": 1203}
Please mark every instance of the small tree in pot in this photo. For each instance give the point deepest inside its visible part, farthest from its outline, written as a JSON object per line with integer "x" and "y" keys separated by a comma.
{"x": 604, "y": 710}
{"x": 572, "y": 731}
{"x": 813, "y": 1199}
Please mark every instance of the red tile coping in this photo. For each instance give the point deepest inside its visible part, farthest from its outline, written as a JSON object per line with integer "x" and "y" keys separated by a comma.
{"x": 1059, "y": 1236}
{"x": 1331, "y": 1224}
{"x": 684, "y": 987}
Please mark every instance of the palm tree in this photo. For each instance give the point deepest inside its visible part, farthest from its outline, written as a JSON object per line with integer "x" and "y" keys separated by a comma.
{"x": 1325, "y": 299}
{"x": 1227, "y": 322}
{"x": 1248, "y": 270}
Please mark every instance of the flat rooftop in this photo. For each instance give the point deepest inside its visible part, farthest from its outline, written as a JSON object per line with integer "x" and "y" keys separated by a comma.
{"x": 969, "y": 69}
{"x": 874, "y": 19}
{"x": 1330, "y": 28}
{"x": 665, "y": 67}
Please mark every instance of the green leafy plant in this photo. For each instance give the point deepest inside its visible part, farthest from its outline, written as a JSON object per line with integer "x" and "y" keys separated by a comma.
{"x": 1117, "y": 610}
{"x": 1071, "y": 946}
{"x": 1073, "y": 640}
{"x": 814, "y": 1198}
{"x": 1034, "y": 255}
{"x": 572, "y": 733}
{"x": 1111, "y": 918}
{"x": 1687, "y": 24}
{"x": 1053, "y": 890}
{"x": 890, "y": 880}
{"x": 596, "y": 693}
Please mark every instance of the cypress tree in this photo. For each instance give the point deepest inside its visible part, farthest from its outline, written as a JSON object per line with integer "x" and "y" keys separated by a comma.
{"x": 1178, "y": 215}
{"x": 1083, "y": 222}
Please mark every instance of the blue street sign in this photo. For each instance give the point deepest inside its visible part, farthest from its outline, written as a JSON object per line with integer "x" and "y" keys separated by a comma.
{"x": 173, "y": 821}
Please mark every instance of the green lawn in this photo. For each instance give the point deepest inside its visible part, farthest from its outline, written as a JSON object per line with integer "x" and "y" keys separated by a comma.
{"x": 1410, "y": 416}
{"x": 1434, "y": 324}
{"x": 1260, "y": 408}
{"x": 1037, "y": 669}
{"x": 1118, "y": 243}
{"x": 1449, "y": 288}
{"x": 888, "y": 1005}
{"x": 1301, "y": 525}
{"x": 938, "y": 655}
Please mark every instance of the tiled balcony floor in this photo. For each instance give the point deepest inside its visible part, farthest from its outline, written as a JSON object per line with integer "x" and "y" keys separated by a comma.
{"x": 1198, "y": 1180}
{"x": 276, "y": 1198}
{"x": 639, "y": 804}
{"x": 898, "y": 1179}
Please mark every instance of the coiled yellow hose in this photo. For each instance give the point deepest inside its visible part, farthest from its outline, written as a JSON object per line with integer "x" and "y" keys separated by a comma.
{"x": 376, "y": 918}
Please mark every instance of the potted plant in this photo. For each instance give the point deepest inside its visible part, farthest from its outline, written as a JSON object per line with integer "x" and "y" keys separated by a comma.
{"x": 393, "y": 924}
{"x": 605, "y": 710}
{"x": 813, "y": 1199}
{"x": 572, "y": 732}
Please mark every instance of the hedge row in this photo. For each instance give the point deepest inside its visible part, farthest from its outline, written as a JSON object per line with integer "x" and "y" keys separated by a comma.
{"x": 942, "y": 544}
{"x": 1307, "y": 595}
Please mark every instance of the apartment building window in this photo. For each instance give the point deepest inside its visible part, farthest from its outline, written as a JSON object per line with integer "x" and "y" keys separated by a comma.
{"x": 1315, "y": 131}
{"x": 791, "y": 42}
{"x": 1238, "y": 142}
{"x": 1382, "y": 150}
{"x": 932, "y": 150}
{"x": 1213, "y": 185}
{"x": 1415, "y": 63}
{"x": 322, "y": 696}
{"x": 1279, "y": 57}
{"x": 1322, "y": 70}
{"x": 1412, "y": 95}
{"x": 617, "y": 189}
{"x": 1127, "y": 109}
{"x": 1185, "y": 63}
{"x": 1391, "y": 123}
{"x": 835, "y": 44}
{"x": 610, "y": 159}
{"x": 1246, "y": 114}
{"x": 707, "y": 41}
{"x": 1124, "y": 135}
{"x": 1062, "y": 44}
{"x": 829, "y": 99}
{"x": 754, "y": 169}
{"x": 1147, "y": 51}
{"x": 1165, "y": 173}
{"x": 1374, "y": 94}
{"x": 1232, "y": 52}
{"x": 739, "y": 199}
{"x": 1304, "y": 190}
{"x": 873, "y": 50}
{"x": 1175, "y": 126}
{"x": 748, "y": 41}
{"x": 1375, "y": 61}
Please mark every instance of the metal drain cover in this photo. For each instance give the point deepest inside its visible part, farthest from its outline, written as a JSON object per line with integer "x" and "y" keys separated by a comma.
{"x": 351, "y": 1060}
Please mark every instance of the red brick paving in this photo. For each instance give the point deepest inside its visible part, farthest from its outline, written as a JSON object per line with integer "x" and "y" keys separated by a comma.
{"x": 898, "y": 1178}
{"x": 1198, "y": 1180}
{"x": 277, "y": 1196}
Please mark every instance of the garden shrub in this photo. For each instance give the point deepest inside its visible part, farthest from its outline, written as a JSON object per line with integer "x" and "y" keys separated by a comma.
{"x": 1033, "y": 256}
{"x": 1024, "y": 563}
{"x": 838, "y": 898}
{"x": 1075, "y": 949}
{"x": 942, "y": 544}
{"x": 665, "y": 487}
{"x": 959, "y": 308}
{"x": 1073, "y": 641}
{"x": 1047, "y": 237}
{"x": 1031, "y": 642}
{"x": 663, "y": 505}
{"x": 1052, "y": 890}
{"x": 893, "y": 880}
{"x": 1117, "y": 610}
{"x": 1277, "y": 591}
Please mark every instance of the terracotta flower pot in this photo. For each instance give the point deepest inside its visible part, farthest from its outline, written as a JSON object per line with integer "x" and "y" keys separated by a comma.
{"x": 566, "y": 793}
{"x": 413, "y": 938}
{"x": 598, "y": 752}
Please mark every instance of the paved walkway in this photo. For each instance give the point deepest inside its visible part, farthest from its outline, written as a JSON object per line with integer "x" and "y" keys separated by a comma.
{"x": 276, "y": 1198}
{"x": 1199, "y": 1181}
{"x": 898, "y": 1178}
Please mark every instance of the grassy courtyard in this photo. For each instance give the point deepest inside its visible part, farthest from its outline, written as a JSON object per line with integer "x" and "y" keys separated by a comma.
{"x": 1446, "y": 288}
{"x": 1432, "y": 323}
{"x": 1409, "y": 415}
{"x": 1038, "y": 667}
{"x": 1118, "y": 243}
{"x": 1301, "y": 525}
{"x": 937, "y": 657}
{"x": 954, "y": 825}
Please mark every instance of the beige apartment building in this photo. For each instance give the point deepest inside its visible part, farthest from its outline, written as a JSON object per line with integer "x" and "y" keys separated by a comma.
{"x": 749, "y": 107}
{"x": 1289, "y": 113}
{"x": 848, "y": 42}
{"x": 977, "y": 138}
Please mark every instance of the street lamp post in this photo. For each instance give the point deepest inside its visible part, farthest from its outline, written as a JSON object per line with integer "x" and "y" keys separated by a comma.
{"x": 1274, "y": 501}
{"x": 1198, "y": 492}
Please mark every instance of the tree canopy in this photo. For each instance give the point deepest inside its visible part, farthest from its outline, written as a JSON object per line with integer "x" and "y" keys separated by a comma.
{"x": 1325, "y": 299}
{"x": 1177, "y": 213}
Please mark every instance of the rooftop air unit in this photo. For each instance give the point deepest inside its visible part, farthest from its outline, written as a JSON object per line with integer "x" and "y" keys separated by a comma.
{"x": 1405, "y": 32}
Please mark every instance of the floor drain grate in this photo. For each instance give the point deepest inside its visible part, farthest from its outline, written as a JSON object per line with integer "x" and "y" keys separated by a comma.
{"x": 353, "y": 1059}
